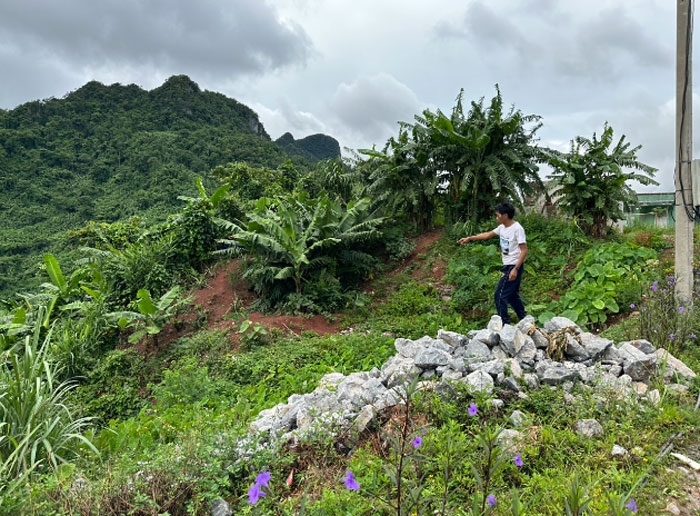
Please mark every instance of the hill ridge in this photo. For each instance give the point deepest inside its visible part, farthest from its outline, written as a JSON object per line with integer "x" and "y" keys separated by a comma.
{"x": 110, "y": 152}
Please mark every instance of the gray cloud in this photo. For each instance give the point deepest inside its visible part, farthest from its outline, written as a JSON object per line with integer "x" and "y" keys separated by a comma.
{"x": 24, "y": 80}
{"x": 601, "y": 46}
{"x": 210, "y": 37}
{"x": 373, "y": 106}
{"x": 609, "y": 46}
{"x": 354, "y": 68}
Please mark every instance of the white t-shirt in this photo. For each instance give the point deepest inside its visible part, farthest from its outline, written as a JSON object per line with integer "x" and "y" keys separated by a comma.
{"x": 510, "y": 239}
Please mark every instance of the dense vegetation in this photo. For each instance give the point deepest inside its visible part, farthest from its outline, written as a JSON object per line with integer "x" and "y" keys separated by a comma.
{"x": 100, "y": 413}
{"x": 106, "y": 153}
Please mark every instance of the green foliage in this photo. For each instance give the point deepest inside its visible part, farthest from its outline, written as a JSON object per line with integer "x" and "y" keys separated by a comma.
{"x": 295, "y": 241}
{"x": 105, "y": 153}
{"x": 269, "y": 374}
{"x": 251, "y": 183}
{"x": 553, "y": 243}
{"x": 608, "y": 274}
{"x": 474, "y": 272}
{"x": 185, "y": 382}
{"x": 37, "y": 427}
{"x": 182, "y": 472}
{"x": 592, "y": 182}
{"x": 400, "y": 182}
{"x": 654, "y": 237}
{"x": 483, "y": 155}
{"x": 151, "y": 264}
{"x": 252, "y": 334}
{"x": 111, "y": 389}
{"x": 398, "y": 247}
{"x": 315, "y": 146}
{"x": 151, "y": 316}
{"x": 412, "y": 298}
{"x": 335, "y": 178}
{"x": 665, "y": 322}
{"x": 194, "y": 230}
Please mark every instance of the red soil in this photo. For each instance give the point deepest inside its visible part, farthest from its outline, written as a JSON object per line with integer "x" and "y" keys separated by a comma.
{"x": 224, "y": 302}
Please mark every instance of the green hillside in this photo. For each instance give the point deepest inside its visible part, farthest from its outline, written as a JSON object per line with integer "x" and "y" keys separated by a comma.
{"x": 105, "y": 153}
{"x": 315, "y": 146}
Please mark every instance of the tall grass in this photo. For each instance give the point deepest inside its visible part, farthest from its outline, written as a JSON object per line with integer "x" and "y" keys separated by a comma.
{"x": 37, "y": 428}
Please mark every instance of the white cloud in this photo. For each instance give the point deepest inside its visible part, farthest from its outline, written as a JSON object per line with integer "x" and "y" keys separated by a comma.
{"x": 372, "y": 106}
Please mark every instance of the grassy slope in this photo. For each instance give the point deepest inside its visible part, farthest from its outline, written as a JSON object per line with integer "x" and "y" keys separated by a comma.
{"x": 208, "y": 392}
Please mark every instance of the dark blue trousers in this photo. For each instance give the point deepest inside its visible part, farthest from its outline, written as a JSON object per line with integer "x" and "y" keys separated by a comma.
{"x": 508, "y": 293}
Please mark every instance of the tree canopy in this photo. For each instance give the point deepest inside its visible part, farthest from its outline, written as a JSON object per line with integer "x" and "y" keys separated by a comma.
{"x": 107, "y": 153}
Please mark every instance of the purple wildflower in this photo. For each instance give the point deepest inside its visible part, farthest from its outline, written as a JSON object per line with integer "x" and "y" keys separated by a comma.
{"x": 672, "y": 337}
{"x": 654, "y": 287}
{"x": 472, "y": 410}
{"x": 350, "y": 482}
{"x": 254, "y": 494}
{"x": 491, "y": 500}
{"x": 417, "y": 441}
{"x": 633, "y": 306}
{"x": 518, "y": 460}
{"x": 632, "y": 505}
{"x": 681, "y": 309}
{"x": 263, "y": 479}
{"x": 692, "y": 335}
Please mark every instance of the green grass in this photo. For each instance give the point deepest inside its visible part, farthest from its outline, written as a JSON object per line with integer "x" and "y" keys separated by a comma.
{"x": 200, "y": 397}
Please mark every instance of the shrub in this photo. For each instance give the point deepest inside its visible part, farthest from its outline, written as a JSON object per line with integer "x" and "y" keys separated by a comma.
{"x": 606, "y": 275}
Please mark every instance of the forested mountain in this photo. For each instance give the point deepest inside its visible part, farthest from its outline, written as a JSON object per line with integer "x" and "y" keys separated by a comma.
{"x": 108, "y": 152}
{"x": 315, "y": 146}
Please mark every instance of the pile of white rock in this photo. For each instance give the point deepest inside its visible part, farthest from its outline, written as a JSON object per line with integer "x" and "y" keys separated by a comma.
{"x": 515, "y": 357}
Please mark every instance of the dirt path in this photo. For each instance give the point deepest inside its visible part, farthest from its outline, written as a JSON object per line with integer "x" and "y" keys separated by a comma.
{"x": 224, "y": 301}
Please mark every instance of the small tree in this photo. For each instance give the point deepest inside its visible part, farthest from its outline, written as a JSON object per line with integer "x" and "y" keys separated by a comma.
{"x": 400, "y": 179}
{"x": 592, "y": 181}
{"x": 152, "y": 314}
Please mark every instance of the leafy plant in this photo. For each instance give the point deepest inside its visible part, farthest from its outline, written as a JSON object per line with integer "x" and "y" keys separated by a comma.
{"x": 252, "y": 333}
{"x": 152, "y": 316}
{"x": 195, "y": 231}
{"x": 290, "y": 238}
{"x": 474, "y": 273}
{"x": 592, "y": 181}
{"x": 605, "y": 272}
{"x": 38, "y": 428}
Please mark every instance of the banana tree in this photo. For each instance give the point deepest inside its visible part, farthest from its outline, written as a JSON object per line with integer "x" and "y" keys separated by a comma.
{"x": 152, "y": 315}
{"x": 291, "y": 237}
{"x": 284, "y": 234}
{"x": 402, "y": 180}
{"x": 482, "y": 155}
{"x": 591, "y": 179}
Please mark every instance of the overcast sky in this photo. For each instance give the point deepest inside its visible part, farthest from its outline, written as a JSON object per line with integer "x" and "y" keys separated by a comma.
{"x": 354, "y": 68}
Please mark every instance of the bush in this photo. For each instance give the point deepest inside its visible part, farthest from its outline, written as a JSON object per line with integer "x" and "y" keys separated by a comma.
{"x": 606, "y": 276}
{"x": 474, "y": 273}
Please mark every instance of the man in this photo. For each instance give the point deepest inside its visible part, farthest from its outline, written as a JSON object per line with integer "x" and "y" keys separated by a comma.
{"x": 513, "y": 252}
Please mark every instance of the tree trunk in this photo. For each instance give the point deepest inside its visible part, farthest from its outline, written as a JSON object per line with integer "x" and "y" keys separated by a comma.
{"x": 475, "y": 212}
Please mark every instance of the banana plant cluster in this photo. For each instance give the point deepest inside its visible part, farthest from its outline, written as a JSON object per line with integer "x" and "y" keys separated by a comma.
{"x": 292, "y": 239}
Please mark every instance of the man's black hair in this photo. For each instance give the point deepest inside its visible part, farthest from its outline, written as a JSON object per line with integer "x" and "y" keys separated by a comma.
{"x": 506, "y": 208}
